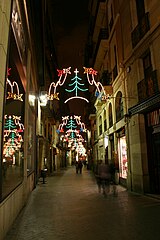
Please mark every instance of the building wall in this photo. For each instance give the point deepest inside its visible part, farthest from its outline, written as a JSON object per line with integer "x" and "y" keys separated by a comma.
{"x": 130, "y": 73}
{"x": 12, "y": 203}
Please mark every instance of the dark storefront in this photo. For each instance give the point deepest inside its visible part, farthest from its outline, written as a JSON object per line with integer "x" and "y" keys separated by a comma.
{"x": 153, "y": 148}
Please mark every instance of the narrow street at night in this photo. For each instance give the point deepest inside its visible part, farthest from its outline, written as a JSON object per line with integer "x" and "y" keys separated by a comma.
{"x": 68, "y": 206}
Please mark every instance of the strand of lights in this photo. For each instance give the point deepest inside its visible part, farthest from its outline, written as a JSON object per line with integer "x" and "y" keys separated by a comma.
{"x": 12, "y": 94}
{"x": 60, "y": 82}
{"x": 65, "y": 121}
{"x": 92, "y": 72}
{"x": 78, "y": 120}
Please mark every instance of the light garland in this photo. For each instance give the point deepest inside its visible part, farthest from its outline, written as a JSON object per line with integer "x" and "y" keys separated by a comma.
{"x": 90, "y": 72}
{"x": 60, "y": 82}
{"x": 12, "y": 94}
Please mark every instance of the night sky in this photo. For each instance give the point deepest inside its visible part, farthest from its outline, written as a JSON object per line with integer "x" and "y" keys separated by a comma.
{"x": 71, "y": 20}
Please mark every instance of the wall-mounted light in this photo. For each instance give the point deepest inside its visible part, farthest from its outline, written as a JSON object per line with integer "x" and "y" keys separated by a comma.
{"x": 43, "y": 98}
{"x": 31, "y": 99}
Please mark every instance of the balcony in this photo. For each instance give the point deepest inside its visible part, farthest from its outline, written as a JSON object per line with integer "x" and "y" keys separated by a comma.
{"x": 141, "y": 29}
{"x": 106, "y": 78}
{"x": 148, "y": 86}
{"x": 101, "y": 47}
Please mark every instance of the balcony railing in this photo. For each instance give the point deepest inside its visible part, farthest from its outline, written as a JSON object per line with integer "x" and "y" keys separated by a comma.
{"x": 140, "y": 30}
{"x": 148, "y": 86}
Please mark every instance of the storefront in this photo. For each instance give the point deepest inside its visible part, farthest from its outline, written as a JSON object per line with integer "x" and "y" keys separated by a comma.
{"x": 122, "y": 156}
{"x": 153, "y": 148}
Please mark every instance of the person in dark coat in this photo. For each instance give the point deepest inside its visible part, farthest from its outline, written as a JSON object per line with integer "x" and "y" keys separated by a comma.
{"x": 80, "y": 165}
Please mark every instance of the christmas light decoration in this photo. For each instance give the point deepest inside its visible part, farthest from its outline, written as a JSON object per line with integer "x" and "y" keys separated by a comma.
{"x": 65, "y": 121}
{"x": 60, "y": 82}
{"x": 12, "y": 135}
{"x": 76, "y": 86}
{"x": 91, "y": 72}
{"x": 82, "y": 125}
{"x": 12, "y": 94}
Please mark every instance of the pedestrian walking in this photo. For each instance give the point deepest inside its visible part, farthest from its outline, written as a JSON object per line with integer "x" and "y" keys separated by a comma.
{"x": 105, "y": 177}
{"x": 98, "y": 179}
{"x": 79, "y": 166}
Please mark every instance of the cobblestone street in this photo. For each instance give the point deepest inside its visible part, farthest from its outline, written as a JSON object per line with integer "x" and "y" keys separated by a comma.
{"x": 68, "y": 206}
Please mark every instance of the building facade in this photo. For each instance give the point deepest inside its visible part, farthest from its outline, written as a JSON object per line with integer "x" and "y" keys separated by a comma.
{"x": 123, "y": 44}
{"x": 28, "y": 127}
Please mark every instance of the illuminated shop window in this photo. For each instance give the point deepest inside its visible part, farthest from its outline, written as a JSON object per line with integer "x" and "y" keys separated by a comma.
{"x": 123, "y": 165}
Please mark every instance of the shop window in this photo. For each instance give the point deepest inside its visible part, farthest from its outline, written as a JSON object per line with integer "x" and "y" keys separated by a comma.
{"x": 12, "y": 160}
{"x": 13, "y": 131}
{"x": 119, "y": 106}
{"x": 122, "y": 150}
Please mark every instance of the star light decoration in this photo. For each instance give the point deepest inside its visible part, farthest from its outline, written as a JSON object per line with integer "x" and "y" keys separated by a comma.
{"x": 76, "y": 84}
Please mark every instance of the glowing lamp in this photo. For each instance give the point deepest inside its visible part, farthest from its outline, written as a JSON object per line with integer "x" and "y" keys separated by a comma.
{"x": 43, "y": 99}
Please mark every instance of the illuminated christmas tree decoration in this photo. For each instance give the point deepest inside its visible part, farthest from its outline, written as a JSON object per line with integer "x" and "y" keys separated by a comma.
{"x": 12, "y": 94}
{"x": 76, "y": 118}
{"x": 60, "y": 82}
{"x": 71, "y": 124}
{"x": 72, "y": 136}
{"x": 76, "y": 86}
{"x": 12, "y": 135}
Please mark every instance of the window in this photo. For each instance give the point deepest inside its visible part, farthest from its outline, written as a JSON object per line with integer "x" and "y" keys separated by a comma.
{"x": 100, "y": 125}
{"x": 105, "y": 121}
{"x": 147, "y": 65}
{"x": 13, "y": 127}
{"x": 140, "y": 9}
{"x": 119, "y": 106}
{"x": 110, "y": 116}
{"x": 115, "y": 70}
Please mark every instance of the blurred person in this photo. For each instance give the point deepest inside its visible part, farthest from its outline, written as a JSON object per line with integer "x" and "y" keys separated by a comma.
{"x": 105, "y": 177}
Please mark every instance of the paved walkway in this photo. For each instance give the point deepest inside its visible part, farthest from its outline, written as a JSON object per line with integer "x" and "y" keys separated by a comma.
{"x": 69, "y": 207}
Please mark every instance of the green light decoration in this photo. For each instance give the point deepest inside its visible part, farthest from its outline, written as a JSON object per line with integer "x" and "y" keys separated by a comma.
{"x": 71, "y": 124}
{"x": 12, "y": 135}
{"x": 10, "y": 124}
{"x": 72, "y": 135}
{"x": 76, "y": 85}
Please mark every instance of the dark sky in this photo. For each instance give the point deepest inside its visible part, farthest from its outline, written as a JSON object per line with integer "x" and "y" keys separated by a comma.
{"x": 71, "y": 28}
